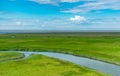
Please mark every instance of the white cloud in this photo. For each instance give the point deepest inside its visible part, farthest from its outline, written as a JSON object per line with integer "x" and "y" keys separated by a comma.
{"x": 63, "y": 23}
{"x": 70, "y": 1}
{"x": 53, "y": 2}
{"x": 95, "y": 5}
{"x": 78, "y": 19}
{"x": 56, "y": 2}
{"x": 18, "y": 23}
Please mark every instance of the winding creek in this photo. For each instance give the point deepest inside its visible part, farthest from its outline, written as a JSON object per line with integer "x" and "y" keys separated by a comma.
{"x": 89, "y": 63}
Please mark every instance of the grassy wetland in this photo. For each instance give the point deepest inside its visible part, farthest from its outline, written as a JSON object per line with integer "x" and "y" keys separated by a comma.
{"x": 5, "y": 56}
{"x": 102, "y": 46}
{"x": 39, "y": 65}
{"x": 105, "y": 47}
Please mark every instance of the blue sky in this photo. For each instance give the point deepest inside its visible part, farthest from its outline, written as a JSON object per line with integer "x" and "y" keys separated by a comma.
{"x": 73, "y": 15}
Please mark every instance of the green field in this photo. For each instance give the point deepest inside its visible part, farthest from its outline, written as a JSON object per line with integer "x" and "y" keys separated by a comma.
{"x": 5, "y": 56}
{"x": 105, "y": 47}
{"x": 39, "y": 65}
{"x": 100, "y": 46}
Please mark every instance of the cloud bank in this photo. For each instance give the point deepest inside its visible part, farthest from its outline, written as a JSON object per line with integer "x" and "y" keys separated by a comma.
{"x": 95, "y": 6}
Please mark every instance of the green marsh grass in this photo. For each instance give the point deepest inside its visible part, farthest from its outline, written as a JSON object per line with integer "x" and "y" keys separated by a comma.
{"x": 39, "y": 65}
{"x": 5, "y": 56}
{"x": 101, "y": 46}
